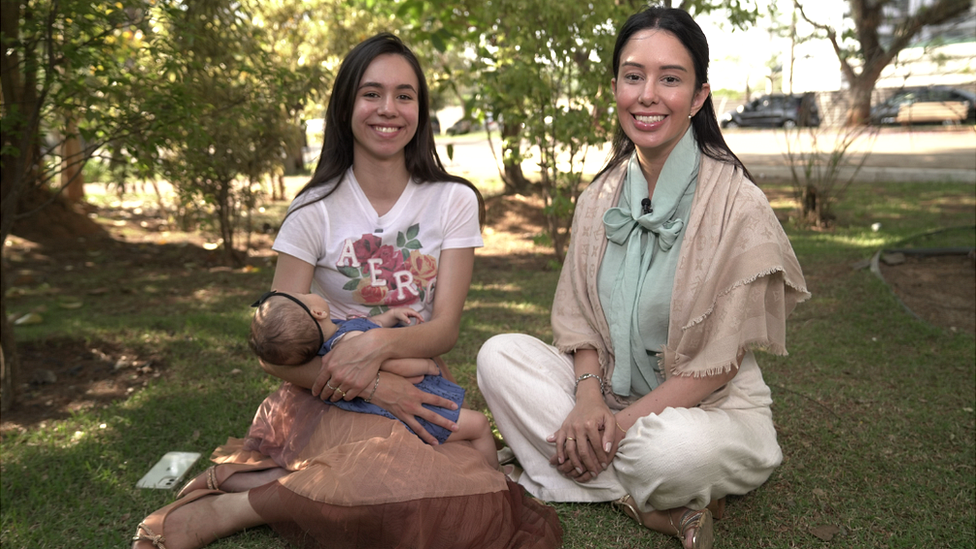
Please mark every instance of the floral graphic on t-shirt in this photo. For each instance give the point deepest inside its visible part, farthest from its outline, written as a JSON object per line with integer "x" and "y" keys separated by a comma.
{"x": 383, "y": 276}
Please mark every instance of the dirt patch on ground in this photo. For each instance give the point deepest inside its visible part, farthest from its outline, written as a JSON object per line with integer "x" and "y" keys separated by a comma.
{"x": 69, "y": 375}
{"x": 940, "y": 289}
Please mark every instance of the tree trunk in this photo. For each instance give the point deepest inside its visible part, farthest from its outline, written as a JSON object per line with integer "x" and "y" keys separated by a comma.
{"x": 18, "y": 78}
{"x": 72, "y": 180}
{"x": 859, "y": 112}
{"x": 278, "y": 191}
{"x": 9, "y": 370}
{"x": 513, "y": 178}
{"x": 294, "y": 150}
{"x": 226, "y": 219}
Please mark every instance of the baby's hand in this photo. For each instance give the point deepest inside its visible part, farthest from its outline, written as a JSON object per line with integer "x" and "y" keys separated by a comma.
{"x": 404, "y": 314}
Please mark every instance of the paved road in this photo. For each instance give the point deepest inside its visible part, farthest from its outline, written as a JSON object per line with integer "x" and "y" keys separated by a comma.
{"x": 896, "y": 154}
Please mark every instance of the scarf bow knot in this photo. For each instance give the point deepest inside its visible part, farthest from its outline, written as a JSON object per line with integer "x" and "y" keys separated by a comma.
{"x": 620, "y": 226}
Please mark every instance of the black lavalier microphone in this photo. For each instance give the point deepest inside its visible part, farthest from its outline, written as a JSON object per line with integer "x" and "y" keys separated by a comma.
{"x": 646, "y": 206}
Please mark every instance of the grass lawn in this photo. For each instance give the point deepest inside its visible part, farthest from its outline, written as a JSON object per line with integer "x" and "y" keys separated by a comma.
{"x": 874, "y": 408}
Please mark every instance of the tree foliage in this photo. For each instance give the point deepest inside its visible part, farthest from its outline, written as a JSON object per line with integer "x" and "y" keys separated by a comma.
{"x": 543, "y": 73}
{"x": 235, "y": 103}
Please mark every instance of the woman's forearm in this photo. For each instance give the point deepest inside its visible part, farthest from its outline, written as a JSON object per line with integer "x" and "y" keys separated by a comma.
{"x": 589, "y": 376}
{"x": 410, "y": 367}
{"x": 675, "y": 392}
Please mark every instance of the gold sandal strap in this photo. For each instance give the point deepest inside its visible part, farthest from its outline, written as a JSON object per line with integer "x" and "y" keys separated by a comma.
{"x": 677, "y": 532}
{"x": 152, "y": 537}
{"x": 212, "y": 478}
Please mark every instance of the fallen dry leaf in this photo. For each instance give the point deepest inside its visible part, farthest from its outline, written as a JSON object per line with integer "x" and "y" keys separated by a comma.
{"x": 825, "y": 532}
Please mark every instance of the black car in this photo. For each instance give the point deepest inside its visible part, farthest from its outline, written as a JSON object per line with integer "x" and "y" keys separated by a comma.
{"x": 775, "y": 111}
{"x": 926, "y": 105}
{"x": 463, "y": 126}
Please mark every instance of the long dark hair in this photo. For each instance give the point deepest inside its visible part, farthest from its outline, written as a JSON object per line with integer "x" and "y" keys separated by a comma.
{"x": 704, "y": 123}
{"x": 423, "y": 163}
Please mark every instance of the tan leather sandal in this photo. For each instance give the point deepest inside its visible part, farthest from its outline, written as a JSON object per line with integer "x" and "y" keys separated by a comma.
{"x": 213, "y": 477}
{"x": 701, "y": 520}
{"x": 151, "y": 529}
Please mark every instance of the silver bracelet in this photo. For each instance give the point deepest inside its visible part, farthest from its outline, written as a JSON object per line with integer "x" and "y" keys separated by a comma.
{"x": 588, "y": 376}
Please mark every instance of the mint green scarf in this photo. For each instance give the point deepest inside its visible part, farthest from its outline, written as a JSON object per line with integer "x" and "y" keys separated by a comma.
{"x": 641, "y": 235}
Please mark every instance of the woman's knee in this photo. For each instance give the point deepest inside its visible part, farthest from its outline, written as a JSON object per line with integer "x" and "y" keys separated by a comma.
{"x": 674, "y": 459}
{"x": 494, "y": 358}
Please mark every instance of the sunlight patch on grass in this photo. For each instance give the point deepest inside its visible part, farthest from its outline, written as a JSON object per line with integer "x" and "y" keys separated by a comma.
{"x": 514, "y": 306}
{"x": 488, "y": 186}
{"x": 495, "y": 286}
{"x": 784, "y": 203}
{"x": 866, "y": 241}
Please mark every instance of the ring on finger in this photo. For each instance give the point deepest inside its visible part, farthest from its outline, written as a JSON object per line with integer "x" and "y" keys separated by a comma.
{"x": 570, "y": 439}
{"x": 341, "y": 392}
{"x": 330, "y": 386}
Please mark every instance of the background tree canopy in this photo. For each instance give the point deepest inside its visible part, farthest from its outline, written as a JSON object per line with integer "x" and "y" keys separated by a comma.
{"x": 210, "y": 95}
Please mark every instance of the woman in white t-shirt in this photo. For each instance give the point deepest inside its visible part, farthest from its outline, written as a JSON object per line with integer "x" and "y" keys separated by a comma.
{"x": 380, "y": 225}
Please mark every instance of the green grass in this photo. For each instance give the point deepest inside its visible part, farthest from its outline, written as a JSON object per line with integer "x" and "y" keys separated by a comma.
{"x": 875, "y": 409}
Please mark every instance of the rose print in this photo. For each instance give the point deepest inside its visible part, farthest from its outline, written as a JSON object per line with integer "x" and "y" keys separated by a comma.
{"x": 422, "y": 266}
{"x": 367, "y": 246}
{"x": 392, "y": 262}
{"x": 367, "y": 294}
{"x": 382, "y": 268}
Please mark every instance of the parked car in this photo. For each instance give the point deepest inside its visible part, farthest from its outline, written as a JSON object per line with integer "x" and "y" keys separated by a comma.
{"x": 435, "y": 125}
{"x": 463, "y": 126}
{"x": 926, "y": 105}
{"x": 775, "y": 111}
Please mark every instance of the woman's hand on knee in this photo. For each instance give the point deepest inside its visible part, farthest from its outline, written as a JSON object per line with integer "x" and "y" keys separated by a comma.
{"x": 584, "y": 441}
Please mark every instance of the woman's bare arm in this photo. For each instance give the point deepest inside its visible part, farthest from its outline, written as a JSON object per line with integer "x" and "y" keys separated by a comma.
{"x": 354, "y": 366}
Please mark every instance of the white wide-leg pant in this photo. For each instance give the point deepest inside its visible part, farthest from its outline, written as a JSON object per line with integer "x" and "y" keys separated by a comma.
{"x": 681, "y": 457}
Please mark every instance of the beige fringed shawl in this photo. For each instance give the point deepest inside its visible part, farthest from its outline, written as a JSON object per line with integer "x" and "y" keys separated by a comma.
{"x": 736, "y": 281}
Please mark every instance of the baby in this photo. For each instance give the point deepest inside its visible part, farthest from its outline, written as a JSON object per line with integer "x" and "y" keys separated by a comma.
{"x": 281, "y": 334}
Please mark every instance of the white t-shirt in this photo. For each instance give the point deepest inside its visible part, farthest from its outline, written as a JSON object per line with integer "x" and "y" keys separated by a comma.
{"x": 365, "y": 263}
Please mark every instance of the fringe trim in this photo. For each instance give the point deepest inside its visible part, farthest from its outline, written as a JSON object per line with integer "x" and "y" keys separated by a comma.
{"x": 763, "y": 345}
{"x": 803, "y": 291}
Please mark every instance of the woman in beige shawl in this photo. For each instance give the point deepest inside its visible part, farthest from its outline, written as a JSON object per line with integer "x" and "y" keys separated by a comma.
{"x": 677, "y": 270}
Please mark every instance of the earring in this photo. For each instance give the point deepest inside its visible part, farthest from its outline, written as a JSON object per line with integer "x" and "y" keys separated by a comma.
{"x": 689, "y": 116}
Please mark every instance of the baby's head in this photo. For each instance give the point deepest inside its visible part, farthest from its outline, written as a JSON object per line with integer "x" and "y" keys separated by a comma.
{"x": 289, "y": 329}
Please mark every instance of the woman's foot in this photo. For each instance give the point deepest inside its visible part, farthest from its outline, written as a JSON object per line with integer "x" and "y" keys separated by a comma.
{"x": 196, "y": 520}
{"x": 693, "y": 528}
{"x": 178, "y": 517}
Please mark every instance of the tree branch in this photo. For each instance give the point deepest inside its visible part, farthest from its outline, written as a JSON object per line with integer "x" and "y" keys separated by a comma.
{"x": 845, "y": 66}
